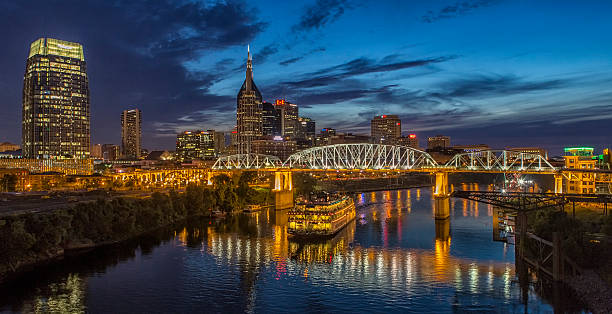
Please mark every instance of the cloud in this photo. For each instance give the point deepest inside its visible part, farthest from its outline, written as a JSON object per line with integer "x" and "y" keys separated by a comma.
{"x": 321, "y": 13}
{"x": 290, "y": 61}
{"x": 497, "y": 85}
{"x": 296, "y": 59}
{"x": 263, "y": 54}
{"x": 345, "y": 82}
{"x": 331, "y": 76}
{"x": 456, "y": 9}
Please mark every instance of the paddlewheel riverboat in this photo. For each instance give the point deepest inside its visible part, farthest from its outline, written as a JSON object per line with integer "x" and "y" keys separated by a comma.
{"x": 321, "y": 215}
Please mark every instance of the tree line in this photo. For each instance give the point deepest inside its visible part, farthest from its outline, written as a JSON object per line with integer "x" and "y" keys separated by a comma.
{"x": 33, "y": 237}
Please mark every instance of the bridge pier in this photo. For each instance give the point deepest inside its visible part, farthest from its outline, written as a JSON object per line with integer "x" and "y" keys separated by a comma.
{"x": 283, "y": 190}
{"x": 441, "y": 208}
{"x": 441, "y": 196}
{"x": 441, "y": 188}
{"x": 558, "y": 184}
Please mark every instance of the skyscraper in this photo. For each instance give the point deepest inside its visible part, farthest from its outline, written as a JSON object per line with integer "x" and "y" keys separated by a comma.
{"x": 272, "y": 122}
{"x": 110, "y": 152}
{"x": 386, "y": 128}
{"x": 131, "y": 133}
{"x": 289, "y": 117}
{"x": 307, "y": 128}
{"x": 196, "y": 145}
{"x": 55, "y": 101}
{"x": 248, "y": 112}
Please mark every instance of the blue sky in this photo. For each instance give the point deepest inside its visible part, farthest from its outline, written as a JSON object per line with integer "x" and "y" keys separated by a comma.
{"x": 504, "y": 73}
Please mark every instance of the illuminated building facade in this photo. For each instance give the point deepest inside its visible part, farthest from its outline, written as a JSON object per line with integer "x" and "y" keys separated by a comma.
{"x": 324, "y": 136}
{"x": 219, "y": 139}
{"x": 530, "y": 150}
{"x": 307, "y": 129}
{"x": 348, "y": 138}
{"x": 131, "y": 133}
{"x": 65, "y": 166}
{"x": 55, "y": 101}
{"x": 111, "y": 152}
{"x": 289, "y": 118}
{"x": 580, "y": 158}
{"x": 8, "y": 147}
{"x": 249, "y": 125}
{"x": 272, "y": 120}
{"x": 275, "y": 147}
{"x": 410, "y": 141}
{"x": 196, "y": 145}
{"x": 438, "y": 141}
{"x": 386, "y": 128}
{"x": 471, "y": 148}
{"x": 96, "y": 151}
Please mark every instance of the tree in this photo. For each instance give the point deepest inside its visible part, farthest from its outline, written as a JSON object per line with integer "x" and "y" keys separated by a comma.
{"x": 303, "y": 184}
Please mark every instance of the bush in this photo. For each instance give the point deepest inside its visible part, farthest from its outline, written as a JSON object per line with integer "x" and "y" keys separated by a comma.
{"x": 34, "y": 235}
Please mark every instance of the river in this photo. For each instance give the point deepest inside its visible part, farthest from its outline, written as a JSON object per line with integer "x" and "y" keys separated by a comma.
{"x": 393, "y": 258}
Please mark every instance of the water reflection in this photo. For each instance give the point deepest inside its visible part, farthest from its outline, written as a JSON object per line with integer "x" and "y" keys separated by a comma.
{"x": 393, "y": 257}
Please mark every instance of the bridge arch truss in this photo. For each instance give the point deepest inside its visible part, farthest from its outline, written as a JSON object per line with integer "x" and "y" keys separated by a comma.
{"x": 500, "y": 160}
{"x": 247, "y": 161}
{"x": 361, "y": 157}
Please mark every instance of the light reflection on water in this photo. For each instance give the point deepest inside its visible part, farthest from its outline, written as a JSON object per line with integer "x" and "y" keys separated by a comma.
{"x": 396, "y": 258}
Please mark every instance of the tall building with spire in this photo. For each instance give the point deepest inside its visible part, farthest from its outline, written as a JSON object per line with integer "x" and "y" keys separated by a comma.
{"x": 55, "y": 115}
{"x": 248, "y": 112}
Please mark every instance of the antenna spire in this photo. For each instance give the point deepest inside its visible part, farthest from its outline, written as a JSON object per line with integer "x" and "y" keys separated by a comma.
{"x": 249, "y": 51}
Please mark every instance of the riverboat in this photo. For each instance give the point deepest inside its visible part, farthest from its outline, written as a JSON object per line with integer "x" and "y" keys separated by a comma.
{"x": 321, "y": 215}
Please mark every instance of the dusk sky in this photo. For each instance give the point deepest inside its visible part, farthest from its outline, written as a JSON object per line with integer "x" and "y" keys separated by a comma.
{"x": 503, "y": 73}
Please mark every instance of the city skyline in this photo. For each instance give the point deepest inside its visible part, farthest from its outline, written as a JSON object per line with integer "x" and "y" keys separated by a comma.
{"x": 530, "y": 81}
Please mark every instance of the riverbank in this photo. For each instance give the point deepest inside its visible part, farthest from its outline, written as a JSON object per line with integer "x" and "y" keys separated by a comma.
{"x": 34, "y": 237}
{"x": 586, "y": 240}
{"x": 593, "y": 291}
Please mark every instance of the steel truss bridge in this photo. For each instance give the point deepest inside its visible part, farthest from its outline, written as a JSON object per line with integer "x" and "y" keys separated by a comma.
{"x": 389, "y": 158}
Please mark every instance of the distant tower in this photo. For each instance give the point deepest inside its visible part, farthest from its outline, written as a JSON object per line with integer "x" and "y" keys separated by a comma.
{"x": 248, "y": 111}
{"x": 55, "y": 101}
{"x": 131, "y": 133}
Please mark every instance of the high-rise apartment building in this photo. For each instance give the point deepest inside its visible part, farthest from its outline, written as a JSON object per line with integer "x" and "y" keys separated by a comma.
{"x": 272, "y": 120}
{"x": 385, "y": 128}
{"x": 307, "y": 129}
{"x": 324, "y": 136}
{"x": 410, "y": 141}
{"x": 55, "y": 101}
{"x": 248, "y": 111}
{"x": 289, "y": 118}
{"x": 438, "y": 141}
{"x": 110, "y": 152}
{"x": 219, "y": 139}
{"x": 196, "y": 145}
{"x": 96, "y": 151}
{"x": 131, "y": 133}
